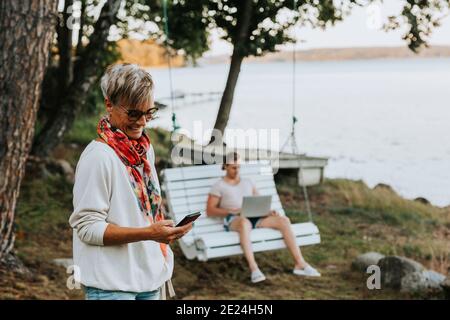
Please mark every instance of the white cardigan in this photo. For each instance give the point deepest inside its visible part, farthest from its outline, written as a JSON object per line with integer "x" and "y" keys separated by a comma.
{"x": 102, "y": 194}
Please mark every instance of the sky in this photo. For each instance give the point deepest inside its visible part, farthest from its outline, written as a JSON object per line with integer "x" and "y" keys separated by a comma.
{"x": 360, "y": 29}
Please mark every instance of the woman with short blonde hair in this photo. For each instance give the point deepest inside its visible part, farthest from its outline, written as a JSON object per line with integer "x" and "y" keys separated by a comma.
{"x": 120, "y": 234}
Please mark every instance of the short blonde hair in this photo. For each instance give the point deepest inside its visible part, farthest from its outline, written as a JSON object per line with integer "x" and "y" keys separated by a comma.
{"x": 127, "y": 84}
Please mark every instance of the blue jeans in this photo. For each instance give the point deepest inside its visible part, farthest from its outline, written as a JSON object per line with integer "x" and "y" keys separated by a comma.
{"x": 99, "y": 294}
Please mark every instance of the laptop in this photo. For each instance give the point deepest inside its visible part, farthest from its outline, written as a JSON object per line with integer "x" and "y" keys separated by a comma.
{"x": 256, "y": 206}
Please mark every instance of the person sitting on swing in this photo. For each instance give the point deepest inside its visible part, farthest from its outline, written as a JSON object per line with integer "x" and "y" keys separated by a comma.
{"x": 225, "y": 200}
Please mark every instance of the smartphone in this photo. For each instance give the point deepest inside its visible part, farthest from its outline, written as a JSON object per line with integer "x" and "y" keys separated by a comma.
{"x": 189, "y": 218}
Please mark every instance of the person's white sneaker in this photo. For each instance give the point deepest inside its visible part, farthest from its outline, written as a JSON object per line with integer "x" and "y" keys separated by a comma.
{"x": 308, "y": 271}
{"x": 257, "y": 276}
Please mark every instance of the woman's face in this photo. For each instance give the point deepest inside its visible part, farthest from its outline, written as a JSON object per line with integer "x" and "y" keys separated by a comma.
{"x": 120, "y": 119}
{"x": 232, "y": 170}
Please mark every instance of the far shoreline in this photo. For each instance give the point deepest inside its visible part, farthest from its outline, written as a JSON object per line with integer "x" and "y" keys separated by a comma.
{"x": 339, "y": 54}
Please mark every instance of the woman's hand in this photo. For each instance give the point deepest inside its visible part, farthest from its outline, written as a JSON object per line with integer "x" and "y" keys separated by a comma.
{"x": 235, "y": 211}
{"x": 273, "y": 213}
{"x": 165, "y": 232}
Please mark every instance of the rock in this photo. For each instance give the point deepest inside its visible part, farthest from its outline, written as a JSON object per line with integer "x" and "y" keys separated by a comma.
{"x": 42, "y": 279}
{"x": 422, "y": 200}
{"x": 48, "y": 167}
{"x": 424, "y": 280}
{"x": 13, "y": 263}
{"x": 63, "y": 262}
{"x": 20, "y": 285}
{"x": 435, "y": 276}
{"x": 66, "y": 169}
{"x": 331, "y": 267}
{"x": 384, "y": 186}
{"x": 408, "y": 275}
{"x": 65, "y": 166}
{"x": 445, "y": 285}
{"x": 394, "y": 268}
{"x": 365, "y": 260}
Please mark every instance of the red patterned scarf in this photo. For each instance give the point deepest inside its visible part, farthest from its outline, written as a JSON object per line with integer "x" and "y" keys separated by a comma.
{"x": 133, "y": 153}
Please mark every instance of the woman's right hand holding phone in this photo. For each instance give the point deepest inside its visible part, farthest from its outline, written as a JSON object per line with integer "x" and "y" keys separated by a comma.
{"x": 165, "y": 232}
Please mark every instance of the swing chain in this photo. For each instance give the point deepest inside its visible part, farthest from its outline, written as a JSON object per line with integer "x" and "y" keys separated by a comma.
{"x": 175, "y": 126}
{"x": 292, "y": 138}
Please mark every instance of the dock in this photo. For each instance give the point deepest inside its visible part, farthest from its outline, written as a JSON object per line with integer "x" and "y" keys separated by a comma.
{"x": 187, "y": 152}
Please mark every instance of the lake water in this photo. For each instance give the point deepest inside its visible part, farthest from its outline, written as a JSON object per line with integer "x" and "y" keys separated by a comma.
{"x": 382, "y": 121}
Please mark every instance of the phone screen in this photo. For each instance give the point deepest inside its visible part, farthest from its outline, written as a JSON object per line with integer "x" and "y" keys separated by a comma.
{"x": 189, "y": 218}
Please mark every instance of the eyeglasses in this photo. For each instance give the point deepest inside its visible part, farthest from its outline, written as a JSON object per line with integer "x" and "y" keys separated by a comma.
{"x": 134, "y": 115}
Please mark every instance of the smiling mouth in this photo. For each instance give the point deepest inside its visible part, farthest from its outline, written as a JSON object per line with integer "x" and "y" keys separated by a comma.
{"x": 136, "y": 129}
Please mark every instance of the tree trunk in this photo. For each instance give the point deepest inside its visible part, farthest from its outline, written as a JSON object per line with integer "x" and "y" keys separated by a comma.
{"x": 235, "y": 68}
{"x": 227, "y": 97}
{"x": 80, "y": 32}
{"x": 64, "y": 31}
{"x": 86, "y": 75}
{"x": 26, "y": 32}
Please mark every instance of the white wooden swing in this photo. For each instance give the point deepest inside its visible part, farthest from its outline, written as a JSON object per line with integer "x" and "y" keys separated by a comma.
{"x": 186, "y": 191}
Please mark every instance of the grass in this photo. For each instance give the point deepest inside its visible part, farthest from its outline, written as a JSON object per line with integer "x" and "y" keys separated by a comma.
{"x": 83, "y": 131}
{"x": 352, "y": 218}
{"x": 42, "y": 234}
{"x": 380, "y": 220}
